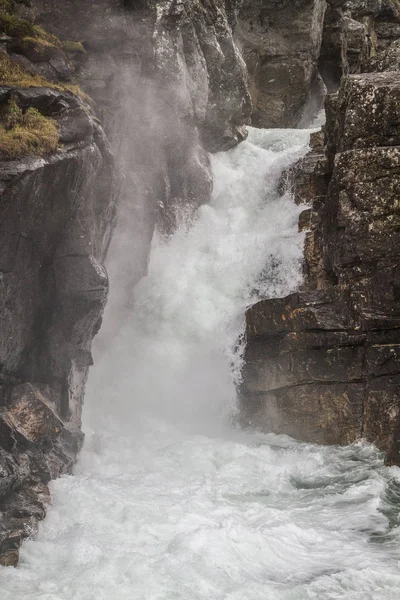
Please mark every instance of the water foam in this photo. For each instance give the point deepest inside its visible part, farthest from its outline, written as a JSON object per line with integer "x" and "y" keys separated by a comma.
{"x": 170, "y": 502}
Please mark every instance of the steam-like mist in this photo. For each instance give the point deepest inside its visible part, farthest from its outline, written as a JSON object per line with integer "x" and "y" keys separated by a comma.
{"x": 178, "y": 355}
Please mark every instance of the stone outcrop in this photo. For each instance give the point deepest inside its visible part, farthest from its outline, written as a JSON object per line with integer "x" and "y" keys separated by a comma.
{"x": 323, "y": 364}
{"x": 281, "y": 43}
{"x": 359, "y": 36}
{"x": 57, "y": 214}
{"x": 294, "y": 50}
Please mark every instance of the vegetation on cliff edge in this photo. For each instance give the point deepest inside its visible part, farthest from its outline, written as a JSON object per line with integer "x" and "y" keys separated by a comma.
{"x": 23, "y": 133}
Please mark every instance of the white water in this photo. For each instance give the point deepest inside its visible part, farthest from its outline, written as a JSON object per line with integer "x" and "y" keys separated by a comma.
{"x": 169, "y": 501}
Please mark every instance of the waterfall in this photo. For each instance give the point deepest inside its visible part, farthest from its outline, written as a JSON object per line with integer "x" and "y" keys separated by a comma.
{"x": 169, "y": 500}
{"x": 178, "y": 356}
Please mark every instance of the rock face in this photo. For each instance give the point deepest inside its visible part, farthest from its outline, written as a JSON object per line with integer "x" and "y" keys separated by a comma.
{"x": 281, "y": 43}
{"x": 170, "y": 86}
{"x": 323, "y": 364}
{"x": 359, "y": 36}
{"x": 294, "y": 49}
{"x": 56, "y": 218}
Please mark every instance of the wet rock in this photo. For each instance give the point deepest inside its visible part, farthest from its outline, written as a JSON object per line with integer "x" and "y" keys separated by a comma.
{"x": 316, "y": 413}
{"x": 323, "y": 364}
{"x": 281, "y": 43}
{"x": 29, "y": 414}
{"x": 57, "y": 214}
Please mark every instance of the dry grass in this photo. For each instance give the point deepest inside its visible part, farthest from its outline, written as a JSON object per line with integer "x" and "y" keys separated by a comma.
{"x": 25, "y": 133}
{"x": 14, "y": 75}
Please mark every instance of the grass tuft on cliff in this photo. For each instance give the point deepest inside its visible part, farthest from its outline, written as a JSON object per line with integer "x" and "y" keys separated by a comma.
{"x": 24, "y": 133}
{"x": 34, "y": 35}
{"x": 14, "y": 26}
{"x": 73, "y": 47}
{"x": 14, "y": 75}
{"x": 33, "y": 38}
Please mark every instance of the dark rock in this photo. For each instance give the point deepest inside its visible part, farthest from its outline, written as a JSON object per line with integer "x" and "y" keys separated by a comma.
{"x": 323, "y": 364}
{"x": 57, "y": 214}
{"x": 281, "y": 43}
{"x": 74, "y": 126}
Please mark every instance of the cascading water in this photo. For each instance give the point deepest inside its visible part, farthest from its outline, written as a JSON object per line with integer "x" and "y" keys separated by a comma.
{"x": 169, "y": 500}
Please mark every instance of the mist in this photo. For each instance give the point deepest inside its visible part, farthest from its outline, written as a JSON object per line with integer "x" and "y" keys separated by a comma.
{"x": 177, "y": 354}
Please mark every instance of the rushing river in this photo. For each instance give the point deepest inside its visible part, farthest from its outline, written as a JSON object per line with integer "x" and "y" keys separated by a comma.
{"x": 170, "y": 501}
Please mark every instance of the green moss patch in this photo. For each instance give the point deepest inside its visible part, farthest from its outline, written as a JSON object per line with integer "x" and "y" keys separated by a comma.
{"x": 24, "y": 133}
{"x": 73, "y": 47}
{"x": 33, "y": 36}
{"x": 14, "y": 26}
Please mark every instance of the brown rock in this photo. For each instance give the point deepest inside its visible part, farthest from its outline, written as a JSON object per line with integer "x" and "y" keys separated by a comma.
{"x": 31, "y": 415}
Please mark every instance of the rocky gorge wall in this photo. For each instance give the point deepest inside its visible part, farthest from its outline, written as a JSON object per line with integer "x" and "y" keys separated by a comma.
{"x": 322, "y": 364}
{"x": 281, "y": 42}
{"x": 167, "y": 85}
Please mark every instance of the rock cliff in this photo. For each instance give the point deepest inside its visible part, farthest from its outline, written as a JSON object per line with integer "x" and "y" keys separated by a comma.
{"x": 281, "y": 43}
{"x": 57, "y": 215}
{"x": 169, "y": 86}
{"x": 322, "y": 364}
{"x": 296, "y": 49}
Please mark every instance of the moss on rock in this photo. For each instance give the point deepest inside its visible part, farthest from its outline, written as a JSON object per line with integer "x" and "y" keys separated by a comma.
{"x": 24, "y": 133}
{"x": 14, "y": 26}
{"x": 73, "y": 47}
{"x": 14, "y": 75}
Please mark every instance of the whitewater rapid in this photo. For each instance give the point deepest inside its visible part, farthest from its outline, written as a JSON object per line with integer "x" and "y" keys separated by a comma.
{"x": 169, "y": 500}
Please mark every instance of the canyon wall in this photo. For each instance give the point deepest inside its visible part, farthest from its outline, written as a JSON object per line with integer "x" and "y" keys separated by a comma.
{"x": 322, "y": 364}
{"x": 166, "y": 86}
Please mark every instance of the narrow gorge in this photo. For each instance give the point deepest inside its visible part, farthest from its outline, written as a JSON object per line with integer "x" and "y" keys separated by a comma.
{"x": 199, "y": 359}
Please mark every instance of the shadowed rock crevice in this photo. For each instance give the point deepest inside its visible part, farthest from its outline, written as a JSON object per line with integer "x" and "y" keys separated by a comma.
{"x": 281, "y": 43}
